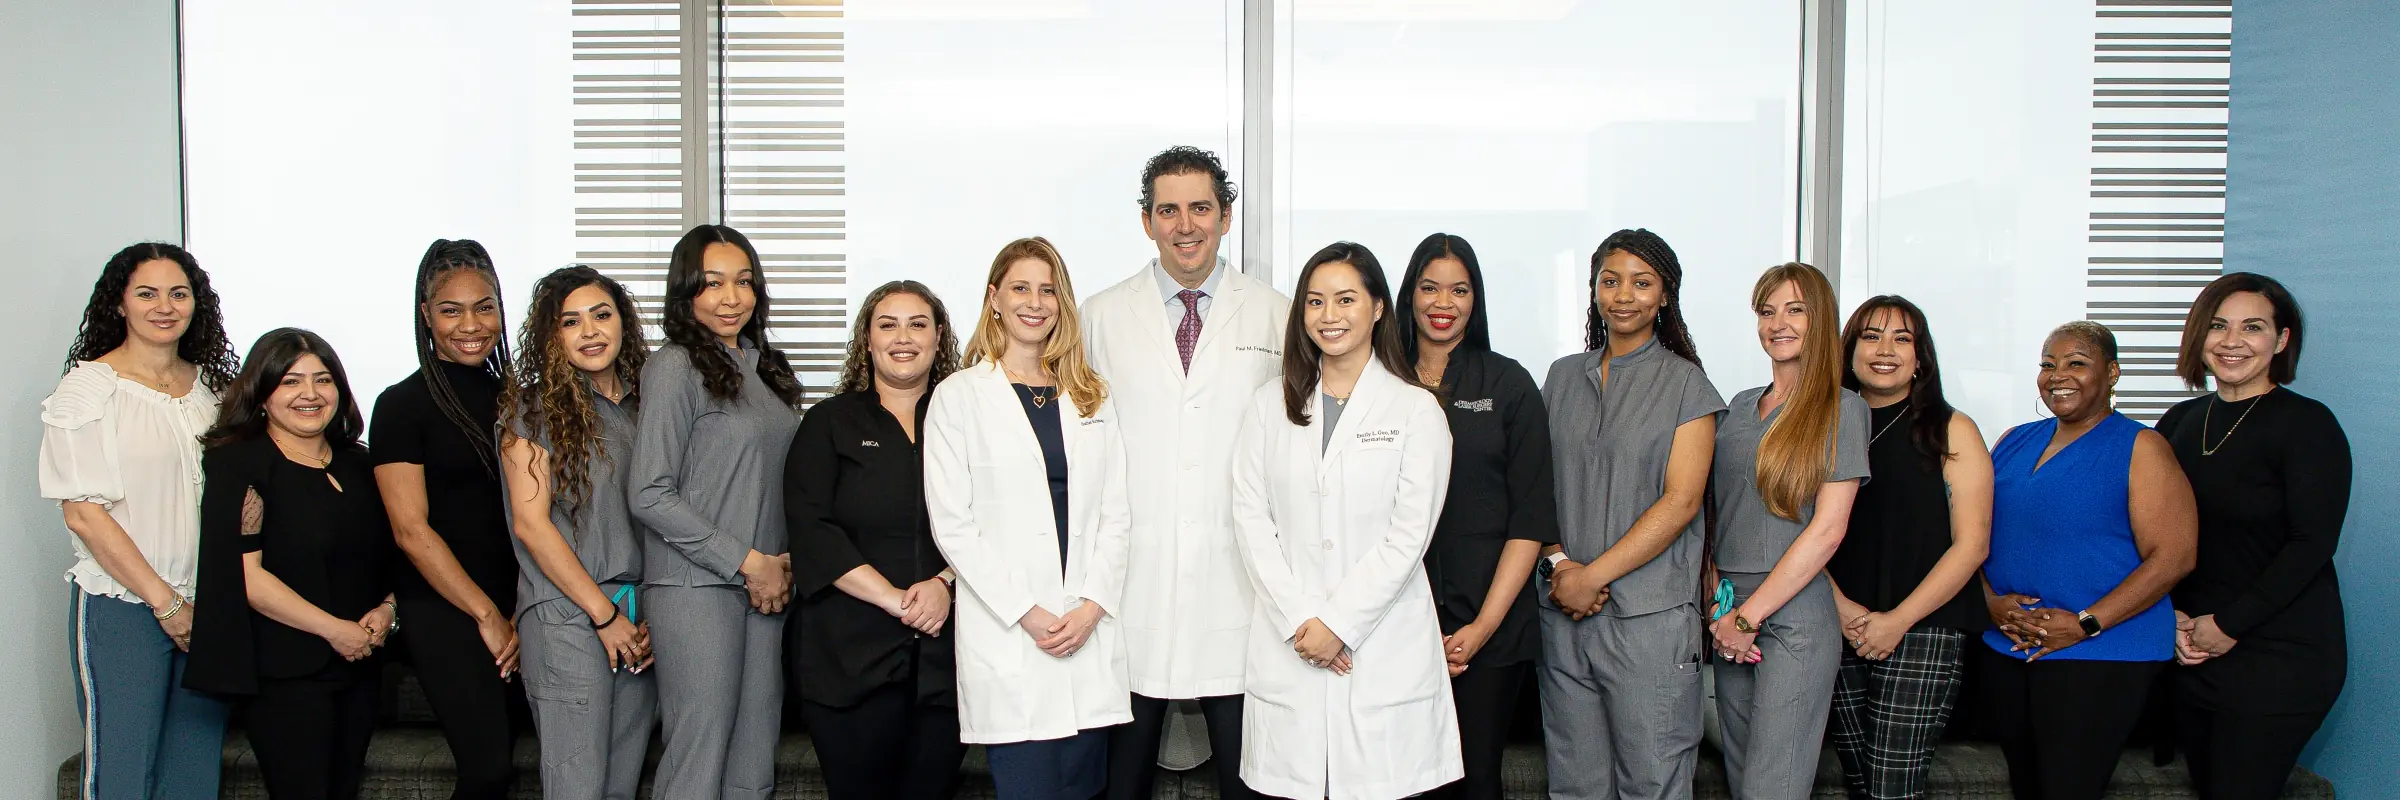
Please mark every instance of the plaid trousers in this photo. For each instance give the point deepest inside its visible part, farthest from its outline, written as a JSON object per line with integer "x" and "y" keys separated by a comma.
{"x": 1888, "y": 715}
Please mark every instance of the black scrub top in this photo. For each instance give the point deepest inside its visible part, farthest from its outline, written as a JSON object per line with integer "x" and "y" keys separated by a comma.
{"x": 854, "y": 494}
{"x": 463, "y": 499}
{"x": 1500, "y": 489}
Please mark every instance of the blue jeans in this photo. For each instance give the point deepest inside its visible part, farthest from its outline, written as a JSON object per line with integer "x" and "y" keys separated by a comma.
{"x": 144, "y": 735}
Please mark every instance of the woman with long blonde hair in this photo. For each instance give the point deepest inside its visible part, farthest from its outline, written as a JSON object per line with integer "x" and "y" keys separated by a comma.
{"x": 1024, "y": 481}
{"x": 1790, "y": 458}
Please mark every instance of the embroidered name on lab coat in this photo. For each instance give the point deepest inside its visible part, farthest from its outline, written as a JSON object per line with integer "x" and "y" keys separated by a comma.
{"x": 1385, "y": 435}
{"x": 1252, "y": 348}
{"x": 1473, "y": 405}
{"x": 1091, "y": 422}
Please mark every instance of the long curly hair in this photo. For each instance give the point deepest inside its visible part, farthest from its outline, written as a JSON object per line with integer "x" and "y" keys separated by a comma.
{"x": 203, "y": 342}
{"x": 551, "y": 399}
{"x": 858, "y": 366}
{"x": 719, "y": 372}
{"x": 1063, "y": 355}
{"x": 442, "y": 258}
{"x": 1652, "y": 250}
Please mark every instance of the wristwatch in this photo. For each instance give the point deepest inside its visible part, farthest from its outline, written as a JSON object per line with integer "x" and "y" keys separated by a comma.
{"x": 1742, "y": 623}
{"x": 1549, "y": 563}
{"x": 2091, "y": 624}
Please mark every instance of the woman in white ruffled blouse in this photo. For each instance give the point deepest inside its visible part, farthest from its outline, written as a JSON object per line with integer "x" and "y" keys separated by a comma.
{"x": 121, "y": 455}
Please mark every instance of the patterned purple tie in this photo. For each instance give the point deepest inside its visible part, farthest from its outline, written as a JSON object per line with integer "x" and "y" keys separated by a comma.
{"x": 1187, "y": 333}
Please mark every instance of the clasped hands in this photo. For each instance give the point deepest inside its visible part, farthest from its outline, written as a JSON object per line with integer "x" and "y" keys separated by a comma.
{"x": 1316, "y": 644}
{"x": 923, "y": 607}
{"x": 1577, "y": 592}
{"x": 768, "y": 580}
{"x": 1874, "y": 635}
{"x": 2032, "y": 628}
{"x": 2199, "y": 639}
{"x": 1060, "y": 635}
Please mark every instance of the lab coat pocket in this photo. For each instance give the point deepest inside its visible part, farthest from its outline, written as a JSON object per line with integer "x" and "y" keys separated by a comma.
{"x": 1370, "y": 479}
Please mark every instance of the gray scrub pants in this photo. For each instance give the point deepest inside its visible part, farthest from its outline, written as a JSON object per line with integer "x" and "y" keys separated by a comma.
{"x": 594, "y": 723}
{"x": 720, "y": 690}
{"x": 1621, "y": 703}
{"x": 1774, "y": 711}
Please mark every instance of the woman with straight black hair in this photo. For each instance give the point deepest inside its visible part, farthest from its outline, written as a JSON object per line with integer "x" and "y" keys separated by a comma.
{"x": 1790, "y": 458}
{"x": 294, "y": 578}
{"x": 1339, "y": 477}
{"x": 1902, "y": 578}
{"x": 1500, "y": 512}
{"x": 1633, "y": 426}
{"x": 871, "y": 656}
{"x": 719, "y": 406}
{"x": 120, "y": 454}
{"x": 437, "y": 465}
{"x": 2262, "y": 642}
{"x": 567, "y": 430}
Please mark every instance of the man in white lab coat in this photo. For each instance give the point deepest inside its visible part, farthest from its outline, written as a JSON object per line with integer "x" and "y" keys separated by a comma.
{"x": 1183, "y": 344}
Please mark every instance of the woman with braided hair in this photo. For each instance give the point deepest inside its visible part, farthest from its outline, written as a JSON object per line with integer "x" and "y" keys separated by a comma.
{"x": 437, "y": 464}
{"x": 1633, "y": 430}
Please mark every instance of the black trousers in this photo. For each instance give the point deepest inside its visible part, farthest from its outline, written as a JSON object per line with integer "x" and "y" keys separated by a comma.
{"x": 889, "y": 745}
{"x": 479, "y": 713}
{"x": 2239, "y": 755}
{"x": 1133, "y": 747}
{"x": 2063, "y": 724}
{"x": 1487, "y": 705}
{"x": 311, "y": 733}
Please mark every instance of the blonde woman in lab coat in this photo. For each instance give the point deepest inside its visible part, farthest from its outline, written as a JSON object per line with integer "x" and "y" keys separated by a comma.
{"x": 1025, "y": 487}
{"x": 1339, "y": 475}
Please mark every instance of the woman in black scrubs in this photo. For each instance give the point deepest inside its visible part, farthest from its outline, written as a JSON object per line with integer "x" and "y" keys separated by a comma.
{"x": 2259, "y": 619}
{"x": 437, "y": 464}
{"x": 294, "y": 552}
{"x": 1500, "y": 512}
{"x": 871, "y": 658}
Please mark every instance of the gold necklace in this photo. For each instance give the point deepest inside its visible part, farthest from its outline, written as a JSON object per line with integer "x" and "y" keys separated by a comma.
{"x": 2210, "y": 414}
{"x": 320, "y": 462}
{"x": 1887, "y": 427}
{"x": 1040, "y": 400}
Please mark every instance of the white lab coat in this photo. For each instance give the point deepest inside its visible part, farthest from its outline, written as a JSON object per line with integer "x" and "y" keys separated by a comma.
{"x": 1341, "y": 537}
{"x": 1187, "y": 601}
{"x": 988, "y": 494}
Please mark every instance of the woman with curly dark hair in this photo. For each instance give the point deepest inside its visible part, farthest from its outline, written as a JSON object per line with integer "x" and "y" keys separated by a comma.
{"x": 720, "y": 405}
{"x": 121, "y": 455}
{"x": 567, "y": 427}
{"x": 437, "y": 465}
{"x": 876, "y": 674}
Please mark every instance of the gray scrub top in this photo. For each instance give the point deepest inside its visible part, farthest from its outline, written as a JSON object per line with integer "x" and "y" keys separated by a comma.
{"x": 1609, "y": 448}
{"x": 1749, "y": 539}
{"x": 707, "y": 474}
{"x": 601, "y": 530}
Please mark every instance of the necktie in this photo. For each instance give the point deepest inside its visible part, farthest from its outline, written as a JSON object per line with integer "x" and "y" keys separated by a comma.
{"x": 1187, "y": 333}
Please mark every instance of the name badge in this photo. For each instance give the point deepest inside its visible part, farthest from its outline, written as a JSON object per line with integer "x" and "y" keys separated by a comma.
{"x": 1472, "y": 405}
{"x": 869, "y": 443}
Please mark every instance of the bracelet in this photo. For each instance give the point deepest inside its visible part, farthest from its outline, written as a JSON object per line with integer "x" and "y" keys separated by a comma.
{"x": 613, "y": 615}
{"x": 394, "y": 605}
{"x": 173, "y": 609}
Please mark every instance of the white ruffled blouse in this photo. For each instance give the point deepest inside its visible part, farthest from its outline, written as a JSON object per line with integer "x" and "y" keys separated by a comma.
{"x": 135, "y": 451}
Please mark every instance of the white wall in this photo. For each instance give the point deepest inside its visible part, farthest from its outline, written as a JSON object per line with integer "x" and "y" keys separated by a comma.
{"x": 88, "y": 164}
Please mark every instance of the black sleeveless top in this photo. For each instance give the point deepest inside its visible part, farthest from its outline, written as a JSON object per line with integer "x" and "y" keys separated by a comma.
{"x": 1900, "y": 527}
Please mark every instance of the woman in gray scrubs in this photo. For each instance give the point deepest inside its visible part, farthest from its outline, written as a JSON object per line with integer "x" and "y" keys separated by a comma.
{"x": 1632, "y": 426}
{"x": 567, "y": 426}
{"x": 719, "y": 405}
{"x": 1790, "y": 458}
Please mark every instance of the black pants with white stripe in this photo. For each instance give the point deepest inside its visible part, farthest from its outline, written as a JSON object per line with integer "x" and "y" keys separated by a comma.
{"x": 1888, "y": 714}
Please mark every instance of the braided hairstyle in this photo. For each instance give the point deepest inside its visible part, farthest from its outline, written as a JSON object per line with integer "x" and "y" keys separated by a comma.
{"x": 1652, "y": 250}
{"x": 442, "y": 258}
{"x": 203, "y": 343}
{"x": 720, "y": 373}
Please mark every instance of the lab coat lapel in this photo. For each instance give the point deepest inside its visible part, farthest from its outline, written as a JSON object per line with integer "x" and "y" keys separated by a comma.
{"x": 1375, "y": 385}
{"x": 1222, "y": 309}
{"x": 1150, "y": 317}
{"x": 992, "y": 383}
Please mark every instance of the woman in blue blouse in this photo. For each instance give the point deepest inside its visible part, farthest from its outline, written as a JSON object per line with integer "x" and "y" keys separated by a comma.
{"x": 2092, "y": 523}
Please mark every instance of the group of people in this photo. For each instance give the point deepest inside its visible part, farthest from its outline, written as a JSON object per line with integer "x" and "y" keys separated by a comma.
{"x": 1038, "y": 531}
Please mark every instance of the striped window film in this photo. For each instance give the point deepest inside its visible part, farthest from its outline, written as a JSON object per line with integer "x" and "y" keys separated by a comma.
{"x": 629, "y": 141}
{"x": 2157, "y": 230}
{"x": 781, "y": 100}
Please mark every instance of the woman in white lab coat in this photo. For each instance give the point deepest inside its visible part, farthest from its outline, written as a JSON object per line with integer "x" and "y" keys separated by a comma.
{"x": 1339, "y": 475}
{"x": 1024, "y": 481}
